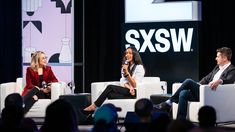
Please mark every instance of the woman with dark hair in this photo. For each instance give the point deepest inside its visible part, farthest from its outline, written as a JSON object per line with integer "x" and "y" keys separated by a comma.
{"x": 132, "y": 72}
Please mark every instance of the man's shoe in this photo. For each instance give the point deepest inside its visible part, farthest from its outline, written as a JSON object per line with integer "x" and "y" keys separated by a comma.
{"x": 164, "y": 107}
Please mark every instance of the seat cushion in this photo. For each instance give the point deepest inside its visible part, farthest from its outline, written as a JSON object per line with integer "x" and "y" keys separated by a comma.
{"x": 39, "y": 108}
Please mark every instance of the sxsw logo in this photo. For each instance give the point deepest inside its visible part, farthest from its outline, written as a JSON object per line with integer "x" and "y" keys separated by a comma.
{"x": 160, "y": 40}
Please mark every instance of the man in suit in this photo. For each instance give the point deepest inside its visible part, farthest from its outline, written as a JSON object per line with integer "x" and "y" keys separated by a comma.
{"x": 223, "y": 73}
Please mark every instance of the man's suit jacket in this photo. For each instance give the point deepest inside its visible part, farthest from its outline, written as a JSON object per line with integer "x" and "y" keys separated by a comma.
{"x": 228, "y": 75}
{"x": 32, "y": 78}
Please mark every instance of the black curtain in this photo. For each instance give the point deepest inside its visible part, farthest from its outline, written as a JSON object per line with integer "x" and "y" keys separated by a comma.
{"x": 10, "y": 40}
{"x": 103, "y": 21}
{"x": 218, "y": 27}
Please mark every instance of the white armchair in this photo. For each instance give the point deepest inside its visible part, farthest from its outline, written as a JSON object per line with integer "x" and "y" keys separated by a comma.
{"x": 148, "y": 86}
{"x": 38, "y": 109}
{"x": 223, "y": 100}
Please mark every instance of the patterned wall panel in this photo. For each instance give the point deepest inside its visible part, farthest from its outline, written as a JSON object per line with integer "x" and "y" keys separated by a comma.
{"x": 48, "y": 27}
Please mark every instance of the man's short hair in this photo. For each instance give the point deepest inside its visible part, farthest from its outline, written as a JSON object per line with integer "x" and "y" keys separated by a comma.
{"x": 226, "y": 52}
{"x": 14, "y": 99}
{"x": 143, "y": 107}
{"x": 207, "y": 116}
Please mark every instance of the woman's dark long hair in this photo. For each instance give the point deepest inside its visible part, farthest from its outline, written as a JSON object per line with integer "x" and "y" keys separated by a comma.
{"x": 136, "y": 56}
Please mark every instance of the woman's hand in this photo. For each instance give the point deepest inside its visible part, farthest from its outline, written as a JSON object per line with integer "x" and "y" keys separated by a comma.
{"x": 35, "y": 97}
{"x": 132, "y": 91}
{"x": 46, "y": 90}
{"x": 125, "y": 69}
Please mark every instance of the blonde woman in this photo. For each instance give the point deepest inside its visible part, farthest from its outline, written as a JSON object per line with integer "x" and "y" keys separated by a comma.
{"x": 38, "y": 78}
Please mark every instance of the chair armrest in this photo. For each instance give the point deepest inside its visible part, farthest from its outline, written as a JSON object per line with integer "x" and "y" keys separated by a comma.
{"x": 222, "y": 99}
{"x": 145, "y": 89}
{"x": 19, "y": 85}
{"x": 63, "y": 86}
{"x": 175, "y": 87}
{"x": 151, "y": 79}
{"x": 57, "y": 89}
{"x": 205, "y": 91}
{"x": 222, "y": 96}
{"x": 98, "y": 87}
{"x": 6, "y": 89}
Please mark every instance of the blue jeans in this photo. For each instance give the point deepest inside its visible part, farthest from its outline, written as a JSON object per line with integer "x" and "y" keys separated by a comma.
{"x": 188, "y": 91}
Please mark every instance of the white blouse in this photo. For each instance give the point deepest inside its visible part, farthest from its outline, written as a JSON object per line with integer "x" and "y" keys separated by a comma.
{"x": 137, "y": 75}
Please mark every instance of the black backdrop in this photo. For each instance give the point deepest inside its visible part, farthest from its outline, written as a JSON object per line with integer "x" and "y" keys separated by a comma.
{"x": 103, "y": 21}
{"x": 10, "y": 40}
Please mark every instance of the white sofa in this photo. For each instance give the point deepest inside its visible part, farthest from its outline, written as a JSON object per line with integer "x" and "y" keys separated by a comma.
{"x": 223, "y": 100}
{"x": 148, "y": 86}
{"x": 38, "y": 109}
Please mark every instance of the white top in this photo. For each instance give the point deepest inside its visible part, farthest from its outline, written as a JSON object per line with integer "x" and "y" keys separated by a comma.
{"x": 137, "y": 75}
{"x": 221, "y": 70}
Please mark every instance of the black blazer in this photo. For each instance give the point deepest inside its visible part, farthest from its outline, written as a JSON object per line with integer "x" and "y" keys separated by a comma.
{"x": 228, "y": 76}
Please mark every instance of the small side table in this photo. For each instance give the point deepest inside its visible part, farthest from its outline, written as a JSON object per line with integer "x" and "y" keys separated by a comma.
{"x": 79, "y": 102}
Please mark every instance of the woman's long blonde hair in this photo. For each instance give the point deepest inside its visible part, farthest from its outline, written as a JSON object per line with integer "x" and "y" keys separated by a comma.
{"x": 35, "y": 60}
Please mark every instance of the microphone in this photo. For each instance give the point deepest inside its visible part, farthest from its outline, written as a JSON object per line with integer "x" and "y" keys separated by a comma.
{"x": 71, "y": 85}
{"x": 44, "y": 84}
{"x": 126, "y": 62}
{"x": 124, "y": 73}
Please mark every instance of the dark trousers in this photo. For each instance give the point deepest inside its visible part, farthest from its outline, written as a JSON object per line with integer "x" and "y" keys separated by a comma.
{"x": 28, "y": 98}
{"x": 188, "y": 91}
{"x": 114, "y": 92}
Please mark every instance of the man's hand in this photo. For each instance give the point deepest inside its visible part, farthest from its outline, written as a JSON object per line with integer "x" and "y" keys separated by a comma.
{"x": 214, "y": 84}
